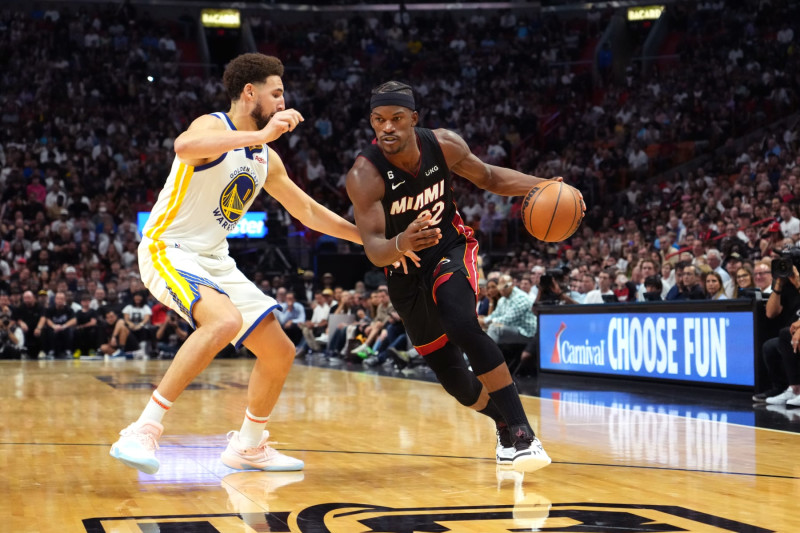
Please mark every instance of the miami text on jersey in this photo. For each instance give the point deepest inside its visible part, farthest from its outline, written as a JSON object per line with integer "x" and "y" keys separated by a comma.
{"x": 420, "y": 201}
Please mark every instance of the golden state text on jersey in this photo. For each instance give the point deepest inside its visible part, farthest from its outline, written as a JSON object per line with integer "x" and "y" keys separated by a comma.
{"x": 200, "y": 205}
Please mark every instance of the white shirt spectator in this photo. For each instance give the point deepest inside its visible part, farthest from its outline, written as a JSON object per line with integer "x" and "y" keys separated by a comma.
{"x": 136, "y": 314}
{"x": 638, "y": 160}
{"x": 596, "y": 296}
{"x": 320, "y": 313}
{"x": 791, "y": 228}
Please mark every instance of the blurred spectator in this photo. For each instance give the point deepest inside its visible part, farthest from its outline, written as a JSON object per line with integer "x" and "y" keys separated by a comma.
{"x": 790, "y": 225}
{"x": 315, "y": 327}
{"x": 744, "y": 280}
{"x": 137, "y": 316}
{"x": 653, "y": 289}
{"x": 11, "y": 337}
{"x": 762, "y": 276}
{"x": 113, "y": 334}
{"x": 291, "y": 315}
{"x": 603, "y": 293}
{"x": 714, "y": 287}
{"x": 513, "y": 322}
{"x": 170, "y": 335}
{"x": 30, "y": 319}
{"x": 85, "y": 328}
{"x": 688, "y": 286}
{"x": 59, "y": 330}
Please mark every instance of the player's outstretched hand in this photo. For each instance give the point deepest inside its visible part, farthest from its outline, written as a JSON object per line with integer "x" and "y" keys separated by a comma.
{"x": 418, "y": 235}
{"x": 280, "y": 123}
{"x": 402, "y": 261}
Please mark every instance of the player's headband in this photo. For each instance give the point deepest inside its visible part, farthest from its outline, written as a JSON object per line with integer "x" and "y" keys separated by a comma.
{"x": 404, "y": 100}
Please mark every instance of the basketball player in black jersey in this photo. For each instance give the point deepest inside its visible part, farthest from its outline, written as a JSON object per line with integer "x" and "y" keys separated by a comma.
{"x": 402, "y": 197}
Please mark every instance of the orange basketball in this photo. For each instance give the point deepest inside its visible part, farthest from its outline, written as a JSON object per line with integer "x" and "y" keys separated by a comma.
{"x": 552, "y": 211}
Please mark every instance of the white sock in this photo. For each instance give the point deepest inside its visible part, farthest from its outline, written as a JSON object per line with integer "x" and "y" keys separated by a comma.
{"x": 252, "y": 429}
{"x": 156, "y": 408}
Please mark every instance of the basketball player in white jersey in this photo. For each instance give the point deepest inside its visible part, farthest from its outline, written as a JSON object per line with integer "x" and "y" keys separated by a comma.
{"x": 222, "y": 161}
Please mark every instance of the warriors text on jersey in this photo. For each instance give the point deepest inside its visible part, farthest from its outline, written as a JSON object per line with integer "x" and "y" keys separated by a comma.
{"x": 407, "y": 195}
{"x": 199, "y": 206}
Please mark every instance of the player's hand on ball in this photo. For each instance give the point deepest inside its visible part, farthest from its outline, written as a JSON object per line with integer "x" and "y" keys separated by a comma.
{"x": 280, "y": 123}
{"x": 580, "y": 195}
{"x": 418, "y": 235}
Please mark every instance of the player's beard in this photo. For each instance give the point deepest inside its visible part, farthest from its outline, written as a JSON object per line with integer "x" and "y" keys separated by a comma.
{"x": 258, "y": 116}
{"x": 399, "y": 145}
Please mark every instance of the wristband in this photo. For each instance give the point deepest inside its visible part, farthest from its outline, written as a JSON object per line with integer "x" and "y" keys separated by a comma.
{"x": 397, "y": 244}
{"x": 776, "y": 292}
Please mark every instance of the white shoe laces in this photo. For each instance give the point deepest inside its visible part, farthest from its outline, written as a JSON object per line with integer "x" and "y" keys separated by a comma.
{"x": 262, "y": 447}
{"x": 146, "y": 439}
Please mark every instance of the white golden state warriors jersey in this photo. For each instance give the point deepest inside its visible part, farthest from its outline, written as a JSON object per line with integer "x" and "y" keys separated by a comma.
{"x": 199, "y": 206}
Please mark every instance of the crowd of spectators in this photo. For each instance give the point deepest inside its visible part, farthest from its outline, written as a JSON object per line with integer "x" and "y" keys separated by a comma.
{"x": 93, "y": 98}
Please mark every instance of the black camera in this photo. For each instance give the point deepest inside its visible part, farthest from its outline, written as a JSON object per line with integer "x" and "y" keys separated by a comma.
{"x": 782, "y": 267}
{"x": 6, "y": 322}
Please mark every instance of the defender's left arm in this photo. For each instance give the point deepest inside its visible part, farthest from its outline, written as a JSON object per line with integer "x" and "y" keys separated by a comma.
{"x": 304, "y": 208}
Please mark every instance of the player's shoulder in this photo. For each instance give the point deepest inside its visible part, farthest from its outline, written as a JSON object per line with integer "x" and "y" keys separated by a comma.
{"x": 364, "y": 179}
{"x": 363, "y": 168}
{"x": 451, "y": 143}
{"x": 208, "y": 122}
{"x": 449, "y": 138}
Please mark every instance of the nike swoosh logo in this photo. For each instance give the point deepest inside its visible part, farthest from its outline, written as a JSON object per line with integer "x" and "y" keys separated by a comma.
{"x": 396, "y": 185}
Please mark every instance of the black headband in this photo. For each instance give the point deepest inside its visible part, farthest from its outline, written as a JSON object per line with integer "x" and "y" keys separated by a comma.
{"x": 404, "y": 100}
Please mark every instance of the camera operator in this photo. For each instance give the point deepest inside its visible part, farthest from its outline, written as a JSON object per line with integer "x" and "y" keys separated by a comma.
{"x": 652, "y": 289}
{"x": 10, "y": 338}
{"x": 170, "y": 335}
{"x": 552, "y": 290}
{"x": 781, "y": 309}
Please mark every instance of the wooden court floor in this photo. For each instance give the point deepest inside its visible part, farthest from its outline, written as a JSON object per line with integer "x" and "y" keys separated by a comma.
{"x": 383, "y": 455}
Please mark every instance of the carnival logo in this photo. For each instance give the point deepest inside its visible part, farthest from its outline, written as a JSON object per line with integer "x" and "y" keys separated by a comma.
{"x": 555, "y": 358}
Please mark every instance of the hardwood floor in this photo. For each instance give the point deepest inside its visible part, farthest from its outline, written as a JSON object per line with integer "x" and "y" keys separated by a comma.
{"x": 382, "y": 454}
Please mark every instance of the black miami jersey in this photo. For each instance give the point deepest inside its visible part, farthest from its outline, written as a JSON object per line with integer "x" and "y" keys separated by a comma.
{"x": 408, "y": 195}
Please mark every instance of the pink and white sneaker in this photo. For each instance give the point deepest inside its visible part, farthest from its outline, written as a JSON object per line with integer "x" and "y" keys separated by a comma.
{"x": 137, "y": 445}
{"x": 261, "y": 457}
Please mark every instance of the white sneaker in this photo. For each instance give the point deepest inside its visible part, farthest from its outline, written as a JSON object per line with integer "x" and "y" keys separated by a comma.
{"x": 362, "y": 351}
{"x": 794, "y": 402}
{"x": 261, "y": 457}
{"x": 783, "y": 398}
{"x": 504, "y": 454}
{"x": 137, "y": 445}
{"x": 530, "y": 458}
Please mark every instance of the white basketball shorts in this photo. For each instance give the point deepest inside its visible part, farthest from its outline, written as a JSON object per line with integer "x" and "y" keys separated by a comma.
{"x": 173, "y": 274}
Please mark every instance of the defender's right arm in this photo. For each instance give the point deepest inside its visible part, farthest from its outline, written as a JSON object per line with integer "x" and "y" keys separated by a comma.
{"x": 207, "y": 137}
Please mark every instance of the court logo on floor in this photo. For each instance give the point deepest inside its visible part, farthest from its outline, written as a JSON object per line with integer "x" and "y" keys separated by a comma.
{"x": 531, "y": 515}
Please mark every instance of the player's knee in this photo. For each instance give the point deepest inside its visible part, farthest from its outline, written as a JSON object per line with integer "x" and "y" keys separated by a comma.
{"x": 461, "y": 389}
{"x": 226, "y": 327}
{"x": 284, "y": 350}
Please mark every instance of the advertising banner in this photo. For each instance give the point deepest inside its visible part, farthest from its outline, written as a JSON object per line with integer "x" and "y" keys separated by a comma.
{"x": 705, "y": 346}
{"x": 252, "y": 224}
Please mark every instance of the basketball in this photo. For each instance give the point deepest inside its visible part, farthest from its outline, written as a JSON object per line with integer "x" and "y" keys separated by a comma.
{"x": 552, "y": 211}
